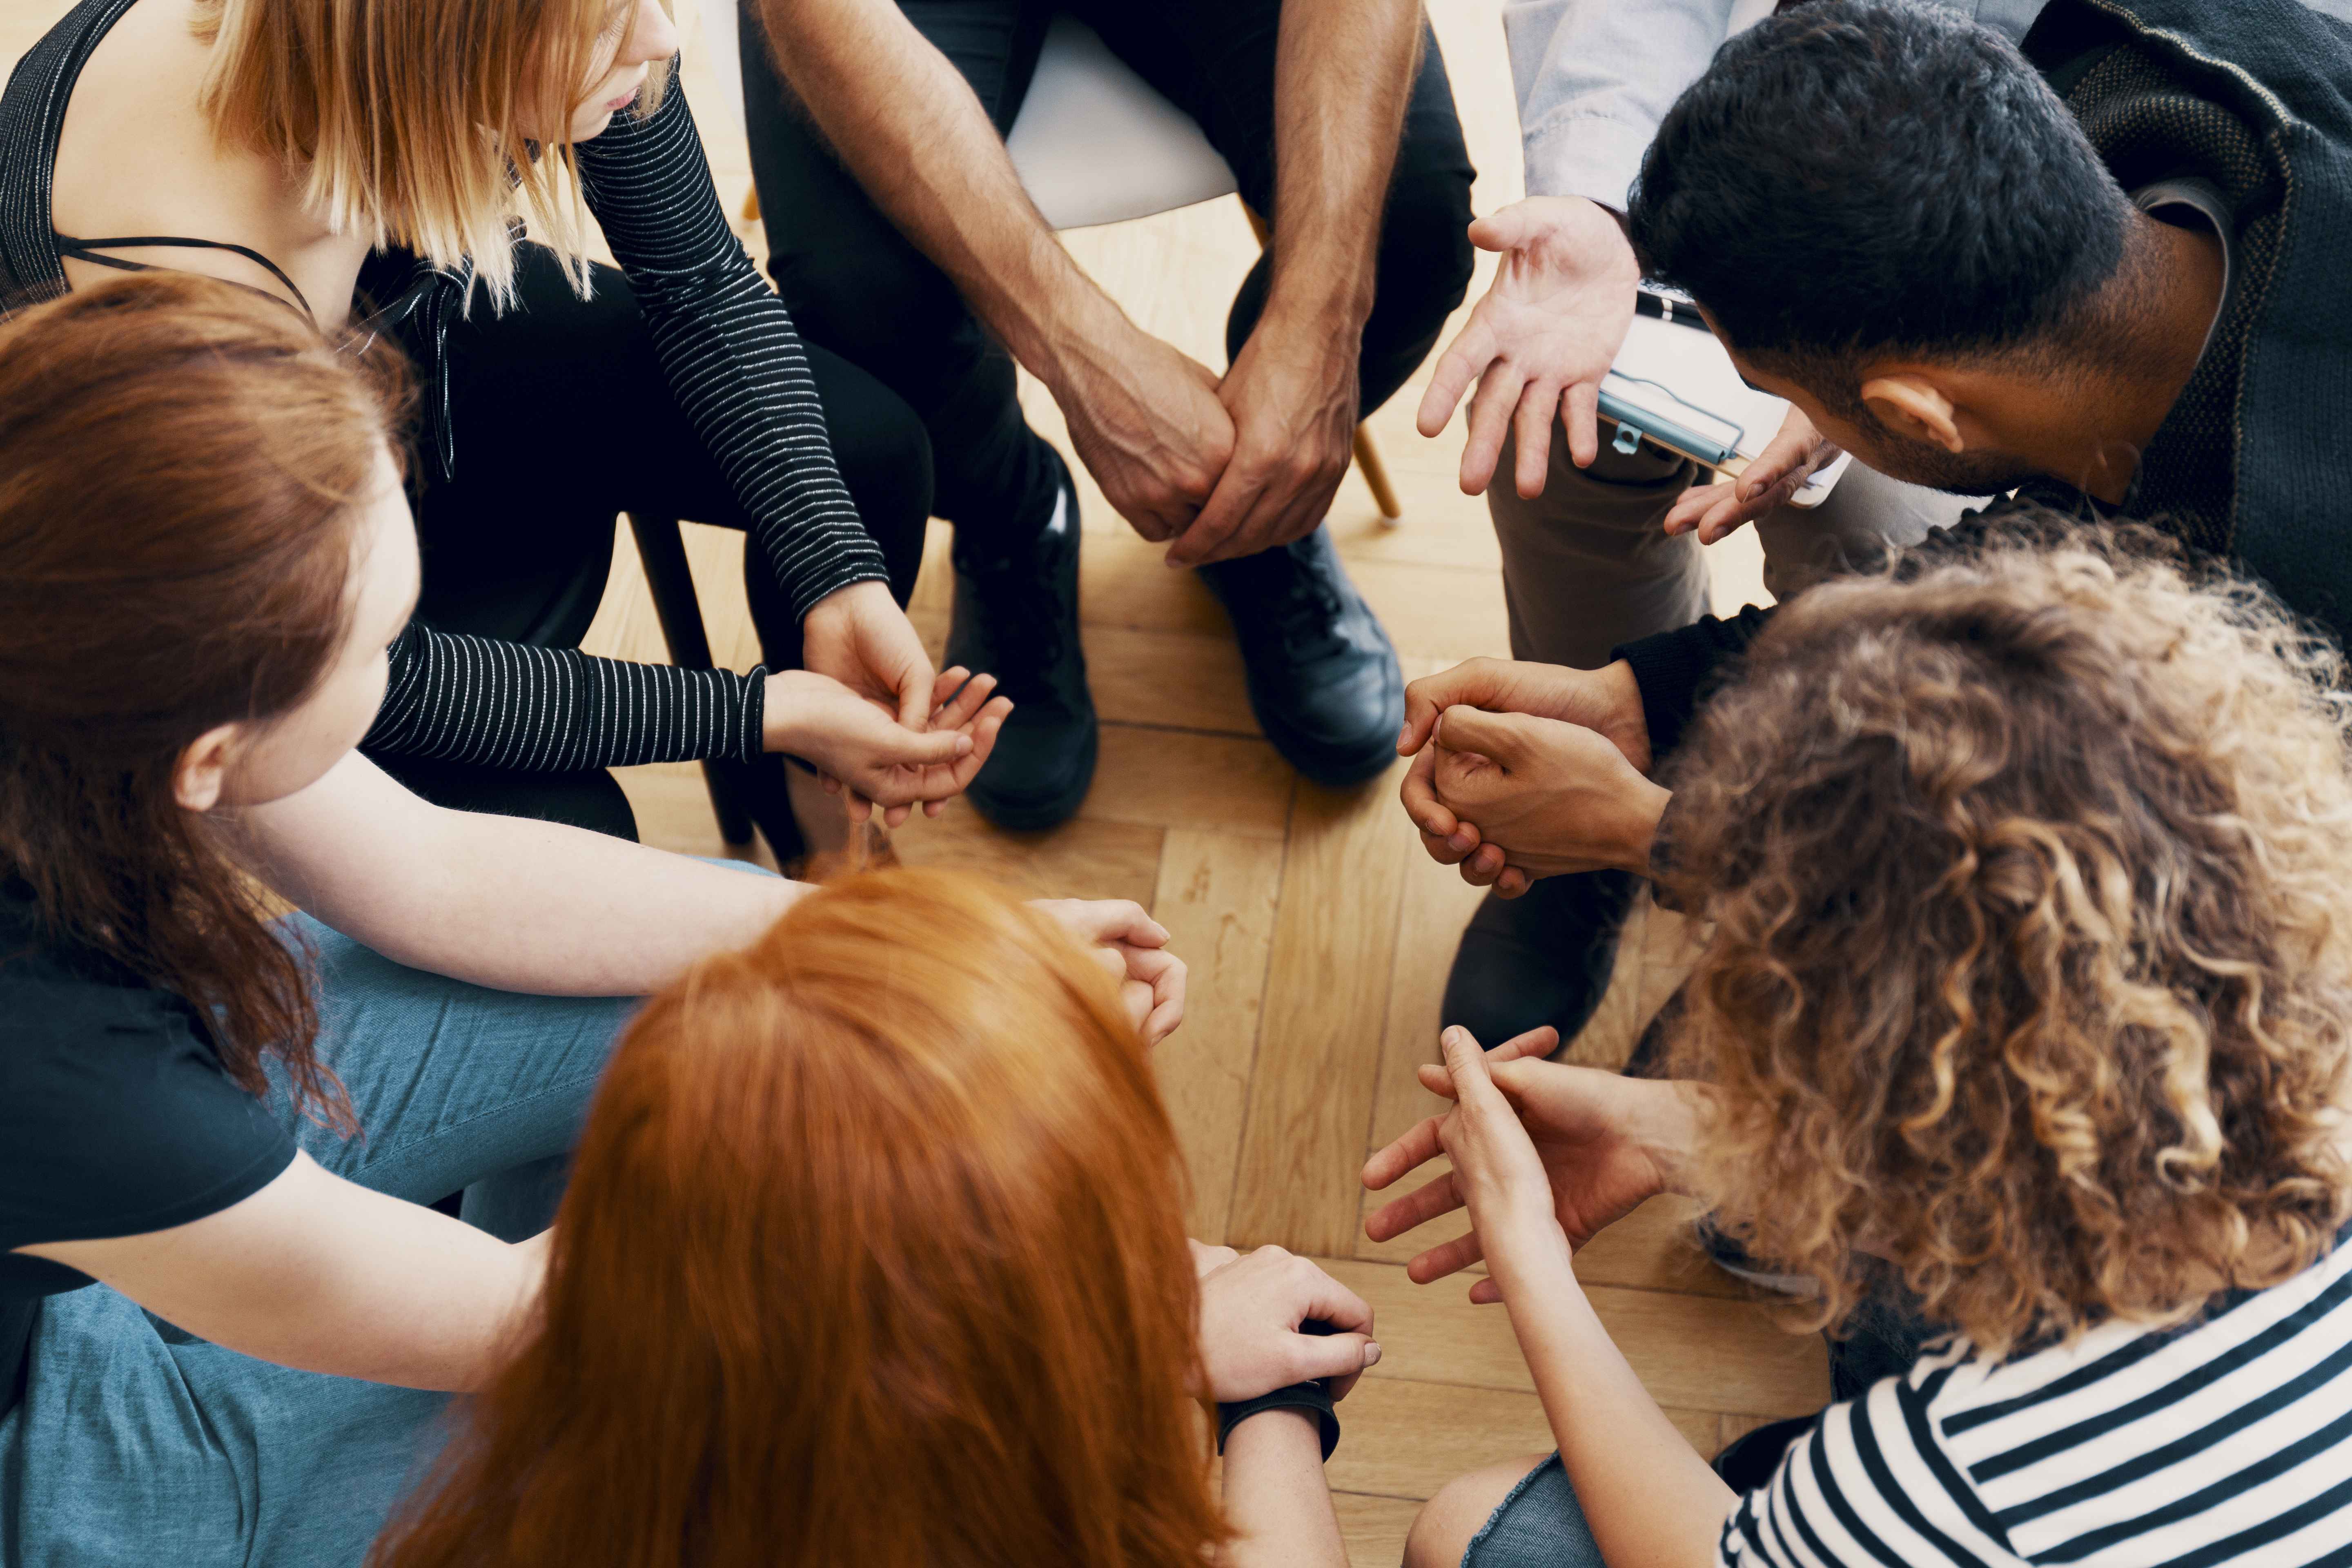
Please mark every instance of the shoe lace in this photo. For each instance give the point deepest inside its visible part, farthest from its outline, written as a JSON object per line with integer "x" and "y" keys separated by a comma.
{"x": 1307, "y": 613}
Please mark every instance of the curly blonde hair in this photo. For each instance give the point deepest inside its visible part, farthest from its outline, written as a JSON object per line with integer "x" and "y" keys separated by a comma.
{"x": 2029, "y": 867}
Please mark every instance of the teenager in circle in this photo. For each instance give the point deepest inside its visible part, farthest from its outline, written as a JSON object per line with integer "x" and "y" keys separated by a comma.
{"x": 227, "y": 1320}
{"x": 875, "y": 1253}
{"x": 2025, "y": 1010}
{"x": 423, "y": 171}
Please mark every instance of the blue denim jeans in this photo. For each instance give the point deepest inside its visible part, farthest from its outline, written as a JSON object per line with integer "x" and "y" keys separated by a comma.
{"x": 1540, "y": 1525}
{"x": 137, "y": 1444}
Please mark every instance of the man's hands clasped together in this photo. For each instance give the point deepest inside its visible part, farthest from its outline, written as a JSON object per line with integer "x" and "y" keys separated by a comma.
{"x": 1524, "y": 770}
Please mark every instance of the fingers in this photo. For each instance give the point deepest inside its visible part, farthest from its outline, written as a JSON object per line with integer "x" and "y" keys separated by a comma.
{"x": 1446, "y": 1257}
{"x": 1466, "y": 1063}
{"x": 1540, "y": 1041}
{"x": 1218, "y": 520}
{"x": 1472, "y": 350}
{"x": 1490, "y": 420}
{"x": 1418, "y": 793}
{"x": 1532, "y": 425}
{"x": 1341, "y": 1358}
{"x": 1500, "y": 737}
{"x": 957, "y": 696}
{"x": 1159, "y": 976}
{"x": 1098, "y": 920}
{"x": 1580, "y": 413}
{"x": 1425, "y": 1203}
{"x": 1414, "y": 1149}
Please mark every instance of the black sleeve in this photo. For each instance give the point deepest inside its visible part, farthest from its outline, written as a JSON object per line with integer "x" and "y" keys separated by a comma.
{"x": 733, "y": 357}
{"x": 115, "y": 1119}
{"x": 509, "y": 705}
{"x": 1676, "y": 670}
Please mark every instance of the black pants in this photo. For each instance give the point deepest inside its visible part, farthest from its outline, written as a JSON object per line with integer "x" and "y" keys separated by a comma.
{"x": 564, "y": 419}
{"x": 856, "y": 285}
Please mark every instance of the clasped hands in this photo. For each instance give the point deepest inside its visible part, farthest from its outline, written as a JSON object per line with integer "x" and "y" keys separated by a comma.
{"x": 1522, "y": 770}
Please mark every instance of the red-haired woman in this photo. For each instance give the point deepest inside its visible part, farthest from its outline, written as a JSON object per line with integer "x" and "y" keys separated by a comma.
{"x": 360, "y": 162}
{"x": 874, "y": 1253}
{"x": 2026, "y": 997}
{"x": 197, "y": 1116}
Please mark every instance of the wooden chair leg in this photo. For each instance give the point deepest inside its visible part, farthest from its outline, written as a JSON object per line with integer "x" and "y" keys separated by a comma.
{"x": 663, "y": 550}
{"x": 1376, "y": 475}
{"x": 751, "y": 205}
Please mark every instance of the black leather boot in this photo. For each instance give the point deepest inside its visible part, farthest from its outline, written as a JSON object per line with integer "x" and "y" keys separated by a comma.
{"x": 1323, "y": 677}
{"x": 1016, "y": 619}
{"x": 1542, "y": 958}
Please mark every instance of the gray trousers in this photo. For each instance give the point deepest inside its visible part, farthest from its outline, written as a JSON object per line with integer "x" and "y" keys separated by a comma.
{"x": 1588, "y": 565}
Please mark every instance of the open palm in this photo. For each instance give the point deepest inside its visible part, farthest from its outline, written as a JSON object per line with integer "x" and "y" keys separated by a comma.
{"x": 1540, "y": 341}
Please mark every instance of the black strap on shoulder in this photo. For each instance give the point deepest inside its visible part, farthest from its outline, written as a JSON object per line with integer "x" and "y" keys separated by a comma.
{"x": 87, "y": 250}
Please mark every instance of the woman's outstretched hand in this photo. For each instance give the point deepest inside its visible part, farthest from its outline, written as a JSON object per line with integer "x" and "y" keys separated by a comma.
{"x": 1132, "y": 948}
{"x": 1581, "y": 1146}
{"x": 858, "y": 744}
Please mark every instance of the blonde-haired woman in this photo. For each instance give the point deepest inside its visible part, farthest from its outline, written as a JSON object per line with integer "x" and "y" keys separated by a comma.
{"x": 2028, "y": 992}
{"x": 874, "y": 1253}
{"x": 360, "y": 162}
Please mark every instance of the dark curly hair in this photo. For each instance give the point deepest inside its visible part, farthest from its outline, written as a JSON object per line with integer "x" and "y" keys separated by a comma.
{"x": 2029, "y": 870}
{"x": 1854, "y": 178}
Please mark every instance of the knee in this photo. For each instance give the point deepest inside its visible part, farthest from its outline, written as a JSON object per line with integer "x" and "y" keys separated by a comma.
{"x": 1441, "y": 1531}
{"x": 1426, "y": 236}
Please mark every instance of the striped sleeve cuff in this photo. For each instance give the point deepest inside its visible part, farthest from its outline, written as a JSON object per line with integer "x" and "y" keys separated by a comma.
{"x": 470, "y": 699}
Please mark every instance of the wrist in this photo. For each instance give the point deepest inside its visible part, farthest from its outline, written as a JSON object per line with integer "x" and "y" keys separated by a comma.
{"x": 1626, "y": 726}
{"x": 1284, "y": 1430}
{"x": 1637, "y": 836}
{"x": 1081, "y": 339}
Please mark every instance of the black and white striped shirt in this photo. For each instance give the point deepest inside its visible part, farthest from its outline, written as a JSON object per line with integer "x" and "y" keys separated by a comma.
{"x": 2226, "y": 1442}
{"x": 732, "y": 358}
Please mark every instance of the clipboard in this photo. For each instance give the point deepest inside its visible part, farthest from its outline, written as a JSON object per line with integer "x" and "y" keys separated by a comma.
{"x": 1673, "y": 386}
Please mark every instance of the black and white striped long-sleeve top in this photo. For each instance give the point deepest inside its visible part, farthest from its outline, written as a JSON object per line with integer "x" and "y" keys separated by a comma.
{"x": 2225, "y": 1442}
{"x": 735, "y": 363}
{"x": 732, "y": 358}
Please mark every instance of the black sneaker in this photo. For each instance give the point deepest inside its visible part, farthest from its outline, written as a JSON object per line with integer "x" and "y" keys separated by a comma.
{"x": 1017, "y": 618}
{"x": 1323, "y": 677}
{"x": 1544, "y": 957}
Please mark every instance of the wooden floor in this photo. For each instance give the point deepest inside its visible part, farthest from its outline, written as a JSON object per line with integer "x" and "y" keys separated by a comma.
{"x": 1317, "y": 934}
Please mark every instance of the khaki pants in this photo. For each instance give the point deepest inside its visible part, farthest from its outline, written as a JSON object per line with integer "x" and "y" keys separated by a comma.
{"x": 1587, "y": 565}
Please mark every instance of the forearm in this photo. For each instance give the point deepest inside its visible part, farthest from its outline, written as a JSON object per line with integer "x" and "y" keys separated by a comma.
{"x": 1343, "y": 74}
{"x": 1645, "y": 1493}
{"x": 1275, "y": 1497}
{"x": 476, "y": 700}
{"x": 912, "y": 132}
{"x": 501, "y": 901}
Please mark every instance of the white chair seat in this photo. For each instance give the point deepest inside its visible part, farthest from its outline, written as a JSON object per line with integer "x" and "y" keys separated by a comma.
{"x": 1094, "y": 142}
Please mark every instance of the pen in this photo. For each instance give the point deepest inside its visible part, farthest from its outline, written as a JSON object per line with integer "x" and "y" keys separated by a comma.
{"x": 1667, "y": 309}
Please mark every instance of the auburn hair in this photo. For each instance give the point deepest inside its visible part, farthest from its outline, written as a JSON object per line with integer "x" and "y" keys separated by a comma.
{"x": 408, "y": 117}
{"x": 2029, "y": 869}
{"x": 181, "y": 466}
{"x": 872, "y": 1253}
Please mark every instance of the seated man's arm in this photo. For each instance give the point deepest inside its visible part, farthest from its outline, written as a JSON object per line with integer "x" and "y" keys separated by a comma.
{"x": 1144, "y": 417}
{"x": 1344, "y": 73}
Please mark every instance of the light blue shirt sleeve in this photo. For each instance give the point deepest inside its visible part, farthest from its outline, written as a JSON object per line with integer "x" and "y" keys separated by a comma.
{"x": 1595, "y": 77}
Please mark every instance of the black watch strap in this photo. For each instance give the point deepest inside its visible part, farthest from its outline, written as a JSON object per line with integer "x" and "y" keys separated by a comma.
{"x": 1296, "y": 1397}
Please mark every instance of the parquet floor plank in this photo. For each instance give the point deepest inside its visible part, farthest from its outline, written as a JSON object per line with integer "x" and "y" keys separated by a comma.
{"x": 1311, "y": 1099}
{"x": 1216, "y": 896}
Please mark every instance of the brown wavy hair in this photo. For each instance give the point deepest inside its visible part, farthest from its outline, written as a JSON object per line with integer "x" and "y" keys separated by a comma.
{"x": 182, "y": 464}
{"x": 873, "y": 1253}
{"x": 2029, "y": 867}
